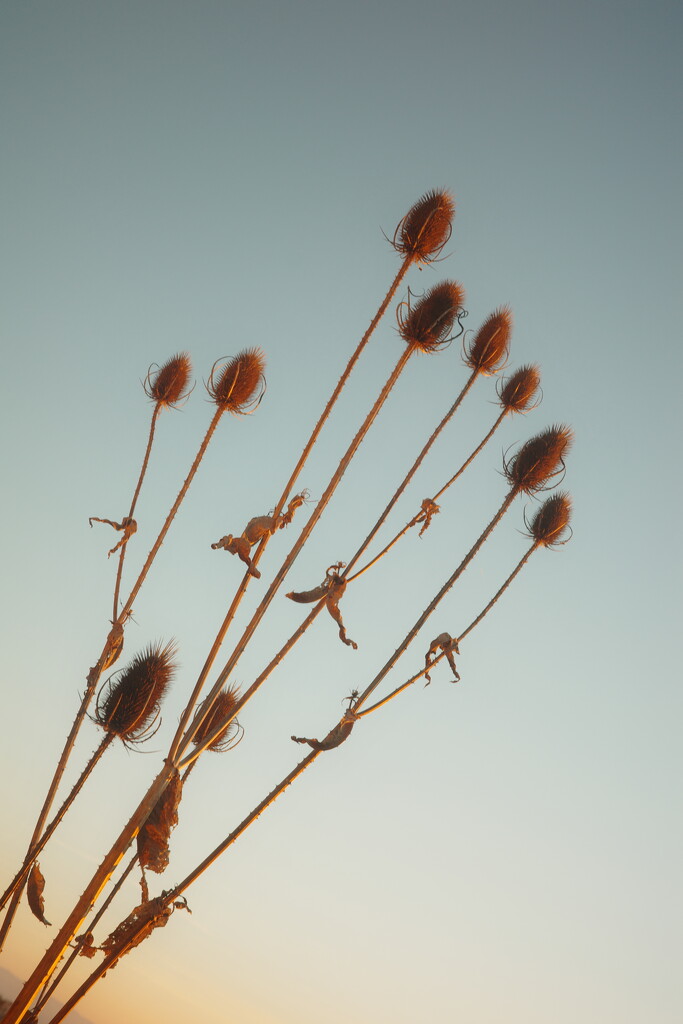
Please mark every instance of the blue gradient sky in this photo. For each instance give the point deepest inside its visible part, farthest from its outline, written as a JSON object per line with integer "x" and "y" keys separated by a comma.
{"x": 209, "y": 176}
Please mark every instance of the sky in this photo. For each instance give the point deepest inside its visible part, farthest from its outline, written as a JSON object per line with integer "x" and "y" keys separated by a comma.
{"x": 212, "y": 176}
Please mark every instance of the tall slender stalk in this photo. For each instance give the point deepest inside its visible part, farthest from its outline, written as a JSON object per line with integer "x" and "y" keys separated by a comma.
{"x": 21, "y": 876}
{"x": 420, "y": 238}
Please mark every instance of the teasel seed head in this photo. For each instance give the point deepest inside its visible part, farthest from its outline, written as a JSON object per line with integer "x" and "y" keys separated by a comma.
{"x": 551, "y": 521}
{"x": 222, "y": 711}
{"x": 428, "y": 324}
{"x": 539, "y": 460}
{"x": 426, "y": 227}
{"x": 488, "y": 349}
{"x": 170, "y": 383}
{"x": 129, "y": 702}
{"x": 238, "y": 384}
{"x": 519, "y": 392}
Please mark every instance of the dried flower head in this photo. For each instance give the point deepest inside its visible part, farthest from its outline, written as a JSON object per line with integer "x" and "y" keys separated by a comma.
{"x": 171, "y": 382}
{"x": 488, "y": 349}
{"x": 238, "y": 385}
{"x": 428, "y": 324}
{"x": 426, "y": 227}
{"x": 128, "y": 704}
{"x": 539, "y": 460}
{"x": 519, "y": 392}
{"x": 551, "y": 520}
{"x": 153, "y": 838}
{"x": 222, "y": 711}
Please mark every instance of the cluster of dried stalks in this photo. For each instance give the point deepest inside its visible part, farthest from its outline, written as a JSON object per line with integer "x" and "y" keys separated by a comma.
{"x": 127, "y": 705}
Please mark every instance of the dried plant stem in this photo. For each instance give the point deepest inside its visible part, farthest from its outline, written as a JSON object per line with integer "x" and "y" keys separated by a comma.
{"x": 409, "y": 682}
{"x": 180, "y": 744}
{"x": 71, "y": 926}
{"x": 48, "y": 988}
{"x": 191, "y": 757}
{"x": 177, "y": 890}
{"x": 93, "y": 678}
{"x": 171, "y": 515}
{"x": 412, "y": 522}
{"x": 410, "y": 636}
{"x": 222, "y": 632}
{"x": 411, "y": 473}
{"x": 36, "y": 848}
{"x": 145, "y": 462}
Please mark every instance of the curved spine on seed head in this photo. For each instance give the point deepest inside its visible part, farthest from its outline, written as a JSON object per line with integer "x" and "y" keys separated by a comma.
{"x": 238, "y": 384}
{"x": 539, "y": 460}
{"x": 487, "y": 351}
{"x": 550, "y": 522}
{"x": 521, "y": 390}
{"x": 428, "y": 324}
{"x": 427, "y": 226}
{"x": 170, "y": 383}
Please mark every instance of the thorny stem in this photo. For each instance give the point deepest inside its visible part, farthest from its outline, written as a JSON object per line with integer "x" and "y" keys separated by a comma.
{"x": 174, "y": 893}
{"x": 94, "y": 675}
{"x": 145, "y": 461}
{"x": 87, "y": 900}
{"x": 220, "y": 637}
{"x": 171, "y": 515}
{"x": 180, "y": 747}
{"x": 487, "y": 609}
{"x": 36, "y": 848}
{"x": 438, "y": 494}
{"x": 315, "y": 611}
{"x": 410, "y": 636}
{"x": 48, "y": 988}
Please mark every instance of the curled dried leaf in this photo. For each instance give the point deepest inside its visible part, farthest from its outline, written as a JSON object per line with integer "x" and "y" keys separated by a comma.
{"x": 335, "y": 737}
{"x": 448, "y": 645}
{"x": 34, "y": 893}
{"x": 154, "y": 836}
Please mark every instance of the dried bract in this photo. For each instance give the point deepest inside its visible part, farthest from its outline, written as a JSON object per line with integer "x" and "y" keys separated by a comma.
{"x": 171, "y": 382}
{"x": 488, "y": 349}
{"x": 539, "y": 460}
{"x": 34, "y": 893}
{"x": 551, "y": 521}
{"x": 238, "y": 385}
{"x": 519, "y": 392}
{"x": 223, "y": 711}
{"x": 426, "y": 227}
{"x": 154, "y": 836}
{"x": 128, "y": 703}
{"x": 427, "y": 326}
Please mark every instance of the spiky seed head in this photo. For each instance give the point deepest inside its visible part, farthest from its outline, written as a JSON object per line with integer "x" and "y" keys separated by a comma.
{"x": 488, "y": 349}
{"x": 427, "y": 326}
{"x": 238, "y": 384}
{"x": 539, "y": 460}
{"x": 519, "y": 392}
{"x": 223, "y": 710}
{"x": 426, "y": 227}
{"x": 551, "y": 520}
{"x": 171, "y": 382}
{"x": 128, "y": 703}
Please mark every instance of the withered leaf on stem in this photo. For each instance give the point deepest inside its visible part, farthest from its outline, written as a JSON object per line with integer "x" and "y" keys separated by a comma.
{"x": 154, "y": 836}
{"x": 34, "y": 893}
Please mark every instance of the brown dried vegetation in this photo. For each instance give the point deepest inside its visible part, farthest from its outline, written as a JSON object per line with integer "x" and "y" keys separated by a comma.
{"x": 551, "y": 521}
{"x": 488, "y": 349}
{"x": 426, "y": 227}
{"x": 171, "y": 382}
{"x": 238, "y": 385}
{"x": 428, "y": 324}
{"x": 539, "y": 460}
{"x": 128, "y": 704}
{"x": 519, "y": 392}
